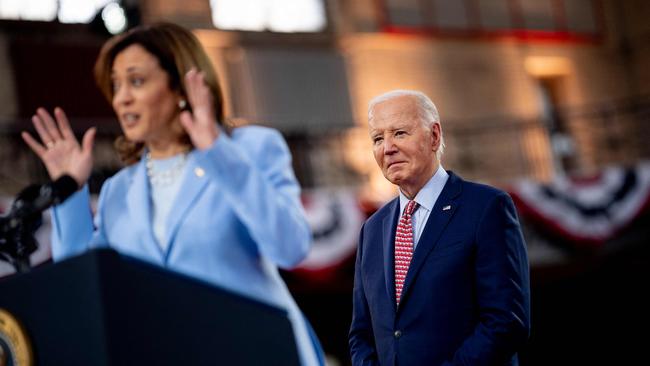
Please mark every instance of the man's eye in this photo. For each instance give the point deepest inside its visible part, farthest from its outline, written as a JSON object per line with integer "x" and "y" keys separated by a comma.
{"x": 137, "y": 81}
{"x": 377, "y": 140}
{"x": 398, "y": 133}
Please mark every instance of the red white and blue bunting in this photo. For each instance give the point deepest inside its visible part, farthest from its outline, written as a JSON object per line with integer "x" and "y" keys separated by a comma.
{"x": 335, "y": 217}
{"x": 586, "y": 212}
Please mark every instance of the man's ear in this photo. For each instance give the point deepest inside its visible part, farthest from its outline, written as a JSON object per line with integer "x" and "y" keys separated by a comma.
{"x": 435, "y": 136}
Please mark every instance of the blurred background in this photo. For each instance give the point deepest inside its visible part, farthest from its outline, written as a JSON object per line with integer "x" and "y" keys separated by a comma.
{"x": 546, "y": 99}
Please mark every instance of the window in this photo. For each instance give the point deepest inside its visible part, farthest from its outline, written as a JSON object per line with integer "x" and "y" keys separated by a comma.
{"x": 65, "y": 11}
{"x": 548, "y": 19}
{"x": 494, "y": 14}
{"x": 272, "y": 15}
{"x": 450, "y": 14}
{"x": 538, "y": 15}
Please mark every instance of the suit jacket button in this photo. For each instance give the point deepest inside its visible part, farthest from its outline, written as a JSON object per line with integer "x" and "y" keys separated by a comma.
{"x": 398, "y": 333}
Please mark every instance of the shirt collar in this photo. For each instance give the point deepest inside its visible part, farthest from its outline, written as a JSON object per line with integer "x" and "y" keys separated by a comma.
{"x": 428, "y": 194}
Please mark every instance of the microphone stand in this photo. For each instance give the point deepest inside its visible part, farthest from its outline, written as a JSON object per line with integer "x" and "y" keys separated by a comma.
{"x": 19, "y": 260}
{"x": 17, "y": 229}
{"x": 16, "y": 249}
{"x": 17, "y": 241}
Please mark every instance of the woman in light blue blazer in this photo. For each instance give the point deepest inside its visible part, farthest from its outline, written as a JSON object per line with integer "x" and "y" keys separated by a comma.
{"x": 196, "y": 197}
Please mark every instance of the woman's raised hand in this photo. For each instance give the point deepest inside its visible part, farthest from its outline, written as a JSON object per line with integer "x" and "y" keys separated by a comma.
{"x": 59, "y": 149}
{"x": 201, "y": 123}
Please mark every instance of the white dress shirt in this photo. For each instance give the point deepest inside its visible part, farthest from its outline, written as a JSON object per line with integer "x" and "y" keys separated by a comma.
{"x": 426, "y": 198}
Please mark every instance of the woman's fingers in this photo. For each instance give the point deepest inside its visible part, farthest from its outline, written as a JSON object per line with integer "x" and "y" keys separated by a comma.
{"x": 48, "y": 123}
{"x": 88, "y": 139}
{"x": 195, "y": 86}
{"x": 59, "y": 149}
{"x": 51, "y": 131}
{"x": 203, "y": 92}
{"x": 199, "y": 96}
{"x": 189, "y": 86}
{"x": 43, "y": 132}
{"x": 187, "y": 121}
{"x": 64, "y": 125}
{"x": 33, "y": 144}
{"x": 200, "y": 124}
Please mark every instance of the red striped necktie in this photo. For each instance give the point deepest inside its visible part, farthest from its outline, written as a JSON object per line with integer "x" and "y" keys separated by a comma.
{"x": 403, "y": 248}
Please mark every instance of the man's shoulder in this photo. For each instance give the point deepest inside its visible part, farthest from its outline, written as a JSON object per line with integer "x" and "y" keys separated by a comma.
{"x": 477, "y": 192}
{"x": 481, "y": 188}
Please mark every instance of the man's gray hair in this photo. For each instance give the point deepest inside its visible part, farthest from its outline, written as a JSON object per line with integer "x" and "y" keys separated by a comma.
{"x": 427, "y": 111}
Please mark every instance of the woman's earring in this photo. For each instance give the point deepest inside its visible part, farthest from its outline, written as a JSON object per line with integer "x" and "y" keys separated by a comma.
{"x": 182, "y": 104}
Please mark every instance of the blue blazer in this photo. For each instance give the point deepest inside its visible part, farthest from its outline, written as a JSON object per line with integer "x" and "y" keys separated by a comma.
{"x": 237, "y": 217}
{"x": 465, "y": 300}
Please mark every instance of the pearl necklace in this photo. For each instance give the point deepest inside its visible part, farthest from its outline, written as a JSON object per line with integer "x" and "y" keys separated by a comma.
{"x": 168, "y": 176}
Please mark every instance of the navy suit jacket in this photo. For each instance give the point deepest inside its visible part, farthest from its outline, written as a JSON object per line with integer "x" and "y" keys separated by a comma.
{"x": 466, "y": 296}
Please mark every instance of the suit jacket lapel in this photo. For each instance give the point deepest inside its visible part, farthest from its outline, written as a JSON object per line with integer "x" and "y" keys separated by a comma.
{"x": 438, "y": 220}
{"x": 139, "y": 208}
{"x": 193, "y": 183}
{"x": 388, "y": 235}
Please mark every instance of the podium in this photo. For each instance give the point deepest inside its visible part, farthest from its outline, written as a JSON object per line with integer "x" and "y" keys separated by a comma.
{"x": 103, "y": 308}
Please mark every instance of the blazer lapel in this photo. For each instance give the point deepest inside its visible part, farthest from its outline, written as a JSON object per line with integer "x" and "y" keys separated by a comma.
{"x": 193, "y": 183}
{"x": 438, "y": 220}
{"x": 139, "y": 208}
{"x": 389, "y": 227}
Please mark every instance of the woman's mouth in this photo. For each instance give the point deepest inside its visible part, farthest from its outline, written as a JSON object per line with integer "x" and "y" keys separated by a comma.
{"x": 130, "y": 119}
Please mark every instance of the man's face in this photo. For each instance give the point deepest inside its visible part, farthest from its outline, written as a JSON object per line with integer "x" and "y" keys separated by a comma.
{"x": 404, "y": 148}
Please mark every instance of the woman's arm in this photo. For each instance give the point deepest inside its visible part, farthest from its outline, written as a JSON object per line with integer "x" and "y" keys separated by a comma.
{"x": 254, "y": 169}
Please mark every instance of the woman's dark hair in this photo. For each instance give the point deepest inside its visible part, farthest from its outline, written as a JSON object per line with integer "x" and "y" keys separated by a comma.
{"x": 177, "y": 51}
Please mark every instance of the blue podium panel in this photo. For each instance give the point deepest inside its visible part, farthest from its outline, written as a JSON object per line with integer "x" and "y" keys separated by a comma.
{"x": 103, "y": 308}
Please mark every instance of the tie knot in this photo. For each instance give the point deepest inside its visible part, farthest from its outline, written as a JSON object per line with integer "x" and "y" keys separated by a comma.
{"x": 410, "y": 207}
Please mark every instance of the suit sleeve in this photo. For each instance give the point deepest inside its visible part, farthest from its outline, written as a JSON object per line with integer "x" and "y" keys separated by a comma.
{"x": 501, "y": 271}
{"x": 254, "y": 169}
{"x": 361, "y": 339}
{"x": 73, "y": 231}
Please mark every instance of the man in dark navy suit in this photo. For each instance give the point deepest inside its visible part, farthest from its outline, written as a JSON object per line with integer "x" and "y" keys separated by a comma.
{"x": 441, "y": 271}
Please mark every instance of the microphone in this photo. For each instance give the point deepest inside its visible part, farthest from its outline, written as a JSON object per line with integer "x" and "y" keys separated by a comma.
{"x": 37, "y": 198}
{"x": 17, "y": 228}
